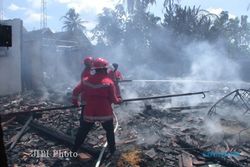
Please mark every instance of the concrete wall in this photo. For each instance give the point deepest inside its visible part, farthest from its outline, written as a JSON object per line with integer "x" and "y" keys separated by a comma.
{"x": 10, "y": 60}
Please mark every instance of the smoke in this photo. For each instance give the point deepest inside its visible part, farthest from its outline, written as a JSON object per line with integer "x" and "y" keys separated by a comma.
{"x": 210, "y": 62}
{"x": 127, "y": 112}
{"x": 213, "y": 130}
{"x": 204, "y": 62}
{"x": 191, "y": 66}
{"x": 61, "y": 69}
{"x": 147, "y": 136}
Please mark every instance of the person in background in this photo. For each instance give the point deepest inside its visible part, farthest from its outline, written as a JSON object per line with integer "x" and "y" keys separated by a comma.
{"x": 99, "y": 93}
{"x": 87, "y": 61}
{"x": 3, "y": 157}
{"x": 116, "y": 76}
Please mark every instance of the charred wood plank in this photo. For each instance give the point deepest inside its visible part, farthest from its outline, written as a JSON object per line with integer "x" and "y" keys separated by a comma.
{"x": 61, "y": 137}
{"x": 197, "y": 162}
{"x": 8, "y": 121}
{"x": 185, "y": 160}
{"x": 186, "y": 108}
{"x": 244, "y": 149}
{"x": 198, "y": 152}
{"x": 20, "y": 113}
{"x": 20, "y": 133}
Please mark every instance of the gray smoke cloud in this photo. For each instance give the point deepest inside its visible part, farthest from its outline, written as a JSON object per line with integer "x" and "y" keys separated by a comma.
{"x": 193, "y": 67}
{"x": 169, "y": 58}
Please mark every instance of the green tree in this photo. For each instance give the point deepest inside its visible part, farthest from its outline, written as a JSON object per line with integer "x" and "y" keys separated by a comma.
{"x": 188, "y": 21}
{"x": 110, "y": 28}
{"x": 235, "y": 32}
{"x": 72, "y": 22}
{"x": 135, "y": 5}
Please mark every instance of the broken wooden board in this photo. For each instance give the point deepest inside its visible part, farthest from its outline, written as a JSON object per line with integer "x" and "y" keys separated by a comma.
{"x": 84, "y": 157}
{"x": 185, "y": 160}
{"x": 20, "y": 133}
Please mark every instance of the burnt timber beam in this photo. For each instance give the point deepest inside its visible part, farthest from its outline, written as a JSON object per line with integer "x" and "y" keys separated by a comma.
{"x": 185, "y": 160}
{"x": 20, "y": 133}
{"x": 7, "y": 122}
{"x": 60, "y": 137}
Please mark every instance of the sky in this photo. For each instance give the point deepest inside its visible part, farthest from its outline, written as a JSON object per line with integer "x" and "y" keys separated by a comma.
{"x": 29, "y": 10}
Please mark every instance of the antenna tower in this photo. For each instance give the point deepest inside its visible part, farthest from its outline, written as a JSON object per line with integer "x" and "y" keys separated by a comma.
{"x": 1, "y": 9}
{"x": 43, "y": 17}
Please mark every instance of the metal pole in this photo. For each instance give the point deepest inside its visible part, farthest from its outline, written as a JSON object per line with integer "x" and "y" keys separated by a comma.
{"x": 185, "y": 81}
{"x": 166, "y": 96}
{"x": 124, "y": 100}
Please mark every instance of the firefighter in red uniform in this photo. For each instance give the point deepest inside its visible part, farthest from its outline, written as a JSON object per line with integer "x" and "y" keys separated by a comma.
{"x": 116, "y": 76}
{"x": 99, "y": 93}
{"x": 87, "y": 61}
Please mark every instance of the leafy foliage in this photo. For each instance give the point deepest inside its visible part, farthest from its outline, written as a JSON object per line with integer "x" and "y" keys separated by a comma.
{"x": 110, "y": 29}
{"x": 72, "y": 22}
{"x": 136, "y": 28}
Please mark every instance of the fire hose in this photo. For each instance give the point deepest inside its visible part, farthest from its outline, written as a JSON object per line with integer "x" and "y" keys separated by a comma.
{"x": 106, "y": 144}
{"x": 136, "y": 99}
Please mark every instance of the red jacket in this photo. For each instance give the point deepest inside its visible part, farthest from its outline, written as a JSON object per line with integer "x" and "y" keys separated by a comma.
{"x": 99, "y": 93}
{"x": 85, "y": 73}
{"x": 116, "y": 76}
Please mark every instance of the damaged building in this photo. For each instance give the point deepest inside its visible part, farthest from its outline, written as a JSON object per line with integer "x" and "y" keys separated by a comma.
{"x": 150, "y": 133}
{"x": 187, "y": 121}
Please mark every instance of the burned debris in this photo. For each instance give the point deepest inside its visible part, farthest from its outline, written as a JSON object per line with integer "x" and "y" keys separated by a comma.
{"x": 154, "y": 136}
{"x": 3, "y": 160}
{"x": 193, "y": 118}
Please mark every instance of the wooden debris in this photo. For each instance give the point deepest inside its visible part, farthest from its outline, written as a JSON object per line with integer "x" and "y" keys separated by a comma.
{"x": 186, "y": 108}
{"x": 126, "y": 142}
{"x": 57, "y": 126}
{"x": 185, "y": 160}
{"x": 198, "y": 162}
{"x": 151, "y": 153}
{"x": 20, "y": 133}
{"x": 61, "y": 137}
{"x": 84, "y": 157}
{"x": 8, "y": 121}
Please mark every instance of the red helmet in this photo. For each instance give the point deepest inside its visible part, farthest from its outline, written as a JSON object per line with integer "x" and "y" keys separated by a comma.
{"x": 100, "y": 63}
{"x": 88, "y": 61}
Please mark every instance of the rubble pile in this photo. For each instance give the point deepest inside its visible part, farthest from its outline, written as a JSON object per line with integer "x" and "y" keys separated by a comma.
{"x": 148, "y": 135}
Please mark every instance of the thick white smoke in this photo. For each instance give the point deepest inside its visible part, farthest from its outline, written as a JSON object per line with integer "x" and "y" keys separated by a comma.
{"x": 210, "y": 62}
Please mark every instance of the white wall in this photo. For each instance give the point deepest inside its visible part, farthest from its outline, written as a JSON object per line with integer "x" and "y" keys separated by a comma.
{"x": 10, "y": 60}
